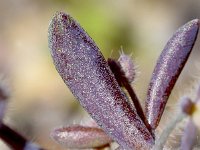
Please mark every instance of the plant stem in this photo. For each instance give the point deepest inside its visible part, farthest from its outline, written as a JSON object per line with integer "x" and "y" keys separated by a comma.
{"x": 14, "y": 140}
{"x": 160, "y": 142}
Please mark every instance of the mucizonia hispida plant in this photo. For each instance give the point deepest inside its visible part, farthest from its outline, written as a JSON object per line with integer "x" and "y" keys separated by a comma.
{"x": 103, "y": 88}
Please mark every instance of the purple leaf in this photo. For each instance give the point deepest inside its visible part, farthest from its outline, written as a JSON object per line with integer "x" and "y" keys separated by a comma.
{"x": 122, "y": 80}
{"x": 168, "y": 69}
{"x": 81, "y": 137}
{"x": 86, "y": 72}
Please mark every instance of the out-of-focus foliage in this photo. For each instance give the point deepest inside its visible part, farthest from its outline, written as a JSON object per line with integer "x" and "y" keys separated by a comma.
{"x": 39, "y": 99}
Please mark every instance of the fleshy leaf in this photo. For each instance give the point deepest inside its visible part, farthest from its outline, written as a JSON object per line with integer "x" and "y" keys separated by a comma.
{"x": 86, "y": 72}
{"x": 77, "y": 136}
{"x": 168, "y": 69}
{"x": 122, "y": 80}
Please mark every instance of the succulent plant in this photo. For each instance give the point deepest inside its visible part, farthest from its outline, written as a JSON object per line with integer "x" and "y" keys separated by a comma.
{"x": 97, "y": 83}
{"x": 103, "y": 88}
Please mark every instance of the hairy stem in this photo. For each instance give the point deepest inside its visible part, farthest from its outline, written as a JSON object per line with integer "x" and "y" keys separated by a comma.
{"x": 160, "y": 142}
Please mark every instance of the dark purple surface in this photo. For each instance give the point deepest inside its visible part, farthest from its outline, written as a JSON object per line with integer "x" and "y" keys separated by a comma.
{"x": 123, "y": 81}
{"x": 85, "y": 71}
{"x": 167, "y": 70}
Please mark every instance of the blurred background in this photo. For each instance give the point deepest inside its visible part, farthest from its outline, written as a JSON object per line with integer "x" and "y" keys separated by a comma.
{"x": 39, "y": 99}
